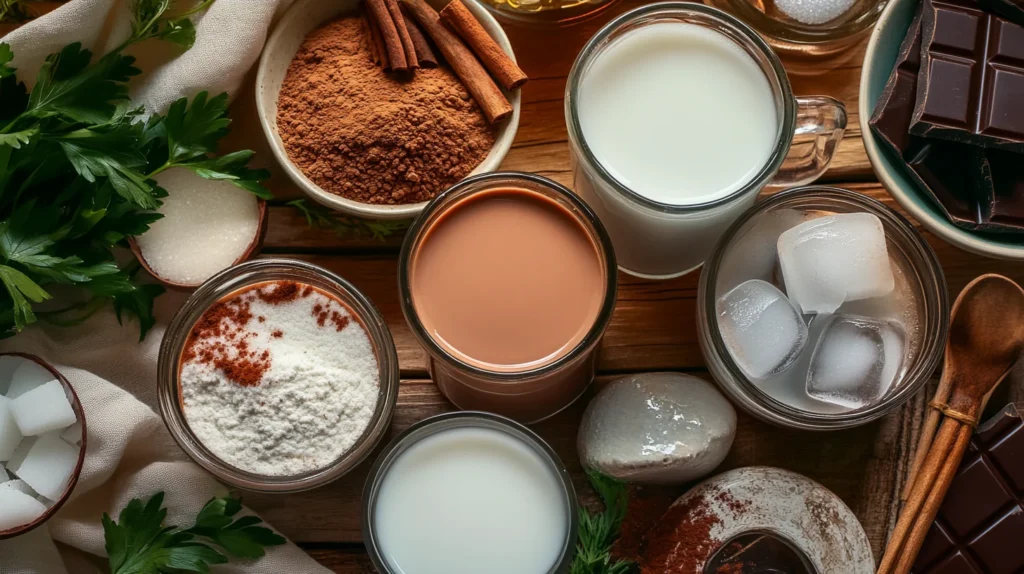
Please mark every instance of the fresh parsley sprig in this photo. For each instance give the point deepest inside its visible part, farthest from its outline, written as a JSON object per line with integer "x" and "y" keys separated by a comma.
{"x": 598, "y": 532}
{"x": 344, "y": 226}
{"x": 77, "y": 168}
{"x": 139, "y": 543}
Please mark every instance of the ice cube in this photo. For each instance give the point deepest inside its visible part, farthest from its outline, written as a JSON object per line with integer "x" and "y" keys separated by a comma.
{"x": 48, "y": 466}
{"x": 27, "y": 376}
{"x": 856, "y": 360}
{"x": 72, "y": 434}
{"x": 752, "y": 255}
{"x": 10, "y": 435}
{"x": 18, "y": 508}
{"x": 8, "y": 363}
{"x": 43, "y": 409}
{"x": 833, "y": 259}
{"x": 19, "y": 485}
{"x": 761, "y": 328}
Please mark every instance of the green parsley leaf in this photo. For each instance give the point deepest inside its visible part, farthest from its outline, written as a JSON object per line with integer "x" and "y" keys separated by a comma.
{"x": 233, "y": 167}
{"x": 114, "y": 155}
{"x": 139, "y": 543}
{"x": 194, "y": 130}
{"x": 69, "y": 86}
{"x": 16, "y": 139}
{"x": 139, "y": 303}
{"x": 19, "y": 286}
{"x": 180, "y": 32}
{"x": 6, "y": 55}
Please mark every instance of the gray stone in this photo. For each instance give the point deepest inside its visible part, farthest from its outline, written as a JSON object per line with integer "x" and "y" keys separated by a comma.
{"x": 656, "y": 428}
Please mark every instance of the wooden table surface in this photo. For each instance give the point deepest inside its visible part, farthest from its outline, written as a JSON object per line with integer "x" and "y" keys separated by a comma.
{"x": 653, "y": 327}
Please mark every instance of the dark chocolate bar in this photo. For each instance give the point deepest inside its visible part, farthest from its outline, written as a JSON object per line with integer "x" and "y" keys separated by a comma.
{"x": 1012, "y": 10}
{"x": 970, "y": 87}
{"x": 977, "y": 189}
{"x": 980, "y": 526}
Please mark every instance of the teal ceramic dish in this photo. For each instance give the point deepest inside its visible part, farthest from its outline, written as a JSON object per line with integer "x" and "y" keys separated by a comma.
{"x": 883, "y": 48}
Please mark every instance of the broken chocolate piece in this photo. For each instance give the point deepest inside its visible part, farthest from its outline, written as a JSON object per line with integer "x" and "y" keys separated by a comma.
{"x": 971, "y": 82}
{"x": 977, "y": 189}
{"x": 980, "y": 526}
{"x": 1012, "y": 10}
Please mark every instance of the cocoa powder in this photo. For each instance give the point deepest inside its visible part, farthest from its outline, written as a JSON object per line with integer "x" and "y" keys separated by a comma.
{"x": 372, "y": 137}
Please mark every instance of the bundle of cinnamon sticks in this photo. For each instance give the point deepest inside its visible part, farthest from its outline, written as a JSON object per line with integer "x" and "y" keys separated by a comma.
{"x": 398, "y": 43}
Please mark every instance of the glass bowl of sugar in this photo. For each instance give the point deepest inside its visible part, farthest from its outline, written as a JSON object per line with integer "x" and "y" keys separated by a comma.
{"x": 822, "y": 309}
{"x": 807, "y": 29}
{"x": 277, "y": 376}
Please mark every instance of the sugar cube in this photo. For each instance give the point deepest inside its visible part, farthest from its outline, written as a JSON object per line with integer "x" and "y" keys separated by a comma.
{"x": 10, "y": 434}
{"x": 7, "y": 365}
{"x": 833, "y": 259}
{"x": 43, "y": 409}
{"x": 48, "y": 466}
{"x": 27, "y": 376}
{"x": 19, "y": 485}
{"x": 18, "y": 509}
{"x": 72, "y": 434}
{"x": 21, "y": 452}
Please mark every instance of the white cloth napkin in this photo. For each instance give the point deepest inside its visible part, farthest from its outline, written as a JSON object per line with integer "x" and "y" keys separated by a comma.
{"x": 130, "y": 453}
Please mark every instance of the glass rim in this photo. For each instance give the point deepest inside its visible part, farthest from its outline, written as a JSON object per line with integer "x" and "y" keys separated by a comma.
{"x": 488, "y": 181}
{"x": 230, "y": 281}
{"x": 929, "y": 357}
{"x": 465, "y": 419}
{"x": 787, "y": 123}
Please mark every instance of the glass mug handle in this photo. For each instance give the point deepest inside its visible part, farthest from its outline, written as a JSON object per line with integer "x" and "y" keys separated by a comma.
{"x": 820, "y": 123}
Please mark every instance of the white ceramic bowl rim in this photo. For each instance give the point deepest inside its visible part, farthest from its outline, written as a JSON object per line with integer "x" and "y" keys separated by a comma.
{"x": 273, "y": 67}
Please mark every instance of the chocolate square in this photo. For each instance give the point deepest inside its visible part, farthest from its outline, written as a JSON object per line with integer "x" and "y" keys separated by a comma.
{"x": 971, "y": 76}
{"x": 980, "y": 527}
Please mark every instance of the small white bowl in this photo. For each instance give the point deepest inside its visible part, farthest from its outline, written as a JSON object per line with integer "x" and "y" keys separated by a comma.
{"x": 302, "y": 18}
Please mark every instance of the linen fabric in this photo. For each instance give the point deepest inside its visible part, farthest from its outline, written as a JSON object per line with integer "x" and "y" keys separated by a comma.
{"x": 130, "y": 453}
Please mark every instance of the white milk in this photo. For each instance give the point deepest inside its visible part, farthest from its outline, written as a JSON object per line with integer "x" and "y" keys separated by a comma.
{"x": 470, "y": 500}
{"x": 679, "y": 113}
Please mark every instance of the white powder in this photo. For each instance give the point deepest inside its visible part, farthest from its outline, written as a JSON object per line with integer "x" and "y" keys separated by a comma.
{"x": 311, "y": 405}
{"x": 813, "y": 12}
{"x": 206, "y": 227}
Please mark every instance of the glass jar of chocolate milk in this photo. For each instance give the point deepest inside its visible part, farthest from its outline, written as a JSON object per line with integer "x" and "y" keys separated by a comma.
{"x": 508, "y": 280}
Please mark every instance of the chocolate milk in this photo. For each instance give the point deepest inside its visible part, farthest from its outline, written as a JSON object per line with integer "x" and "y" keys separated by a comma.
{"x": 509, "y": 281}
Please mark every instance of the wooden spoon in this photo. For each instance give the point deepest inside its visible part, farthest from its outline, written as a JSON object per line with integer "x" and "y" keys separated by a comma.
{"x": 986, "y": 337}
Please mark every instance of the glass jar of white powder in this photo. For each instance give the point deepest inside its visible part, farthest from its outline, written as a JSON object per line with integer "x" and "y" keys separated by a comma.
{"x": 277, "y": 376}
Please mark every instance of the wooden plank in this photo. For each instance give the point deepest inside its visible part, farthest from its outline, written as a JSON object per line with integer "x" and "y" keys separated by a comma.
{"x": 343, "y": 559}
{"x": 856, "y": 464}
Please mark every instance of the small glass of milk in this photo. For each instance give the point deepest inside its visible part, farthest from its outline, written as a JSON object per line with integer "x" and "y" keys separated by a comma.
{"x": 469, "y": 492}
{"x": 678, "y": 115}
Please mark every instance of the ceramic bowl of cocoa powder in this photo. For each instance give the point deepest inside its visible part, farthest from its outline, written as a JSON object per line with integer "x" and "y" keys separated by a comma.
{"x": 363, "y": 142}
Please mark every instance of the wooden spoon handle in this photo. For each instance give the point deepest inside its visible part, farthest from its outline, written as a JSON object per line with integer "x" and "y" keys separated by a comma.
{"x": 937, "y": 454}
{"x": 927, "y": 514}
{"x": 931, "y": 424}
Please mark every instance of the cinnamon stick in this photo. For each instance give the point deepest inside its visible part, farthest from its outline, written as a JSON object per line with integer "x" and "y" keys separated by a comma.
{"x": 389, "y": 33}
{"x": 424, "y": 53}
{"x": 371, "y": 41}
{"x": 504, "y": 69}
{"x": 403, "y": 34}
{"x": 378, "y": 40}
{"x": 466, "y": 65}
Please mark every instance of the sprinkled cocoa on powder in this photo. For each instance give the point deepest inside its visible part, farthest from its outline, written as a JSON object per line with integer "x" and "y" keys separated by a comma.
{"x": 372, "y": 137}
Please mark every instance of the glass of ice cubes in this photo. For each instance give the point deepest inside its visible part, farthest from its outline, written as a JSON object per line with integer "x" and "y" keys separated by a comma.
{"x": 841, "y": 329}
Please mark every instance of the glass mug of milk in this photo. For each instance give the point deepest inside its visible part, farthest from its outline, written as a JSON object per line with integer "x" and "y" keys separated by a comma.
{"x": 678, "y": 115}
